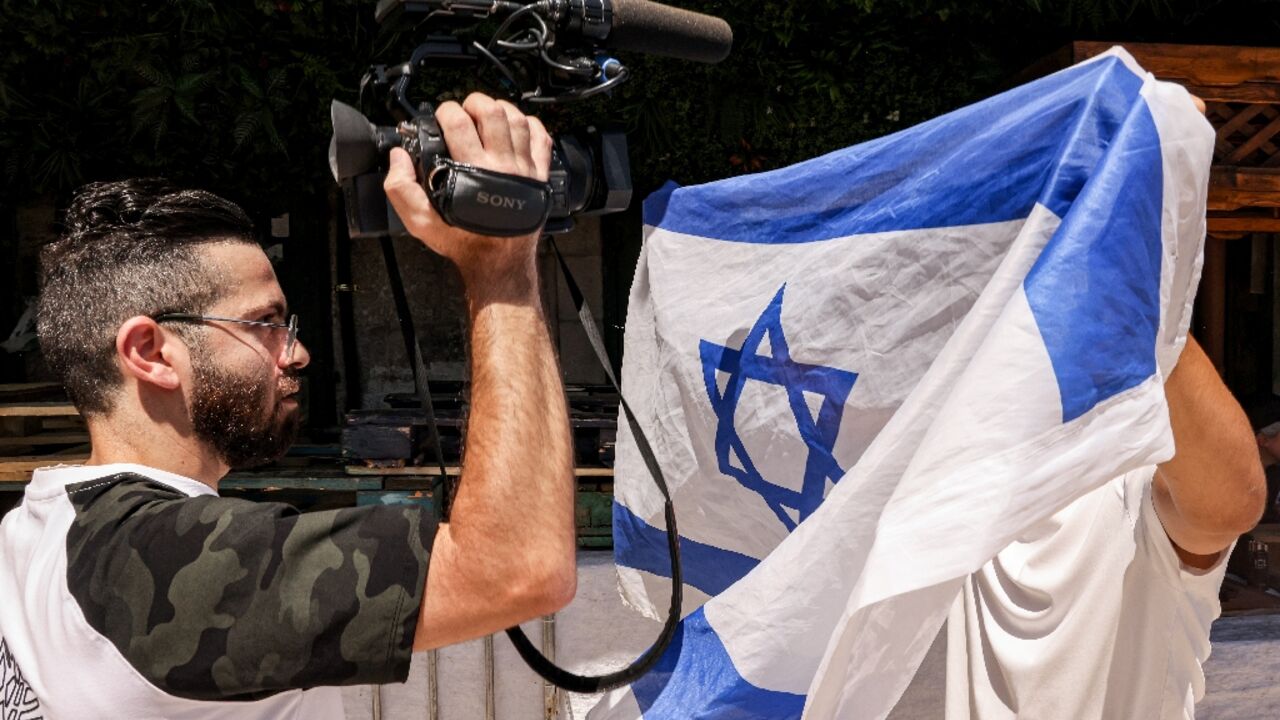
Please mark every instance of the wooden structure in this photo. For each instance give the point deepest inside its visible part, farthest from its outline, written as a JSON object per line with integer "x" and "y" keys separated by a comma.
{"x": 1238, "y": 305}
{"x": 37, "y": 428}
{"x": 1241, "y": 90}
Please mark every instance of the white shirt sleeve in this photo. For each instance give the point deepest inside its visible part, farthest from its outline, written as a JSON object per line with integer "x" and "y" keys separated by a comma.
{"x": 1183, "y": 615}
{"x": 1153, "y": 542}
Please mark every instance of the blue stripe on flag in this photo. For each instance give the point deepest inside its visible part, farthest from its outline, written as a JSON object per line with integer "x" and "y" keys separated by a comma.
{"x": 696, "y": 675}
{"x": 1095, "y": 289}
{"x": 989, "y": 162}
{"x": 639, "y": 545}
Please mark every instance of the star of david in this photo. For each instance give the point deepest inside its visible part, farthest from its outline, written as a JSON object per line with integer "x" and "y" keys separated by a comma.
{"x": 772, "y": 364}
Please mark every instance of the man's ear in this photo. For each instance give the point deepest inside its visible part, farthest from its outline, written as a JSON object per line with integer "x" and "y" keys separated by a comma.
{"x": 147, "y": 355}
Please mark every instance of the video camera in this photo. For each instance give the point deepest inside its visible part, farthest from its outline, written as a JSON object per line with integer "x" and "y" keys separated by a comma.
{"x": 544, "y": 52}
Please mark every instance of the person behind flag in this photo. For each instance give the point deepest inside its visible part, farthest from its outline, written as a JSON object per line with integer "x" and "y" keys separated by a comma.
{"x": 943, "y": 372}
{"x": 130, "y": 589}
{"x": 1104, "y": 610}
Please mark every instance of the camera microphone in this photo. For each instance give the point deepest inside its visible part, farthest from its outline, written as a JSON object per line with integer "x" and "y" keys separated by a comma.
{"x": 655, "y": 29}
{"x": 640, "y": 26}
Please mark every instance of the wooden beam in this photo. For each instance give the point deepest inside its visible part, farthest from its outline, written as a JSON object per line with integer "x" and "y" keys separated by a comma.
{"x": 14, "y": 392}
{"x": 46, "y": 409}
{"x": 413, "y": 470}
{"x": 1251, "y": 93}
{"x": 1232, "y": 188}
{"x": 1205, "y": 66}
{"x": 27, "y": 463}
{"x": 74, "y": 423}
{"x": 6, "y": 388}
{"x": 1212, "y": 302}
{"x": 1236, "y": 226}
{"x": 453, "y": 470}
{"x": 71, "y": 438}
{"x": 267, "y": 481}
{"x": 1275, "y": 318}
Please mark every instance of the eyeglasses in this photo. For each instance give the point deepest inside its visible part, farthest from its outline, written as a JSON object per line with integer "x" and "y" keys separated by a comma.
{"x": 291, "y": 338}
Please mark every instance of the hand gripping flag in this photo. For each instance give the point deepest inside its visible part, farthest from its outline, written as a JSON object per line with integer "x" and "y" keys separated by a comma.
{"x": 866, "y": 373}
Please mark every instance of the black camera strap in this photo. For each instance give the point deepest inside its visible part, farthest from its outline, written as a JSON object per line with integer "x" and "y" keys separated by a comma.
{"x": 441, "y": 488}
{"x": 537, "y": 662}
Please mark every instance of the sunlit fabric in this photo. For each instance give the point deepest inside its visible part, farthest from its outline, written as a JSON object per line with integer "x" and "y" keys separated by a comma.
{"x": 865, "y": 374}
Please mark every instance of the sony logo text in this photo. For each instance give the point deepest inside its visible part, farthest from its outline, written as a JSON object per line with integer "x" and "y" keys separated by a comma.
{"x": 499, "y": 201}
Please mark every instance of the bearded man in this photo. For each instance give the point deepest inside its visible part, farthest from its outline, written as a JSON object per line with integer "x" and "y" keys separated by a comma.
{"x": 132, "y": 590}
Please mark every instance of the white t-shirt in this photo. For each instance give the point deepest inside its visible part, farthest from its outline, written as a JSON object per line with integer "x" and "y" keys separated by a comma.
{"x": 129, "y": 592}
{"x": 1088, "y": 616}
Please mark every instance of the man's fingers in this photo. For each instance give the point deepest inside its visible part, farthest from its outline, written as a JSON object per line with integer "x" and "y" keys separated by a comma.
{"x": 401, "y": 183}
{"x": 519, "y": 137}
{"x": 495, "y": 135}
{"x": 540, "y": 148}
{"x": 495, "y": 130}
{"x": 460, "y": 134}
{"x": 406, "y": 195}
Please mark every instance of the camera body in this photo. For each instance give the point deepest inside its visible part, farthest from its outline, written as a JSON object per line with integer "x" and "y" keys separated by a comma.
{"x": 590, "y": 175}
{"x": 545, "y": 52}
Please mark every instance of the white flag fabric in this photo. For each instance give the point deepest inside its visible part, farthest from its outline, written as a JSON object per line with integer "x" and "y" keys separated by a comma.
{"x": 865, "y": 374}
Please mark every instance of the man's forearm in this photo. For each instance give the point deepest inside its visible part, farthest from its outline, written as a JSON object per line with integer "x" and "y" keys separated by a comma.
{"x": 518, "y": 442}
{"x": 1213, "y": 489}
{"x": 511, "y": 534}
{"x": 507, "y": 554}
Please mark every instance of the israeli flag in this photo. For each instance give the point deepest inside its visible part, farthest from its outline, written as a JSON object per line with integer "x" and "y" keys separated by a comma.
{"x": 864, "y": 375}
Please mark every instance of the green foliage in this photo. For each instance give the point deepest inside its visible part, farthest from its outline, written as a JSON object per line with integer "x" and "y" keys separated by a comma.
{"x": 810, "y": 76}
{"x": 234, "y": 95}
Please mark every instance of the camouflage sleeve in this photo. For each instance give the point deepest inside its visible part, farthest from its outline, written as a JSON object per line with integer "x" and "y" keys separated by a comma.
{"x": 218, "y": 598}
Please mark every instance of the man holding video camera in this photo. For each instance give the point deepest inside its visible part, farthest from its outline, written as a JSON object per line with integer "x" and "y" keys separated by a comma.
{"x": 132, "y": 590}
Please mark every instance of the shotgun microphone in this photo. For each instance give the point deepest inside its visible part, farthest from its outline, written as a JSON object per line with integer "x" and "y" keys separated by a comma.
{"x": 656, "y": 29}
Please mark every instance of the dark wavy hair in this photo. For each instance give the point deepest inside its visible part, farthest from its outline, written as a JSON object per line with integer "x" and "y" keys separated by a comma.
{"x": 128, "y": 248}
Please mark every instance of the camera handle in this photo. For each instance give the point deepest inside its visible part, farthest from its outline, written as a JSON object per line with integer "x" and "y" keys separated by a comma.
{"x": 442, "y": 489}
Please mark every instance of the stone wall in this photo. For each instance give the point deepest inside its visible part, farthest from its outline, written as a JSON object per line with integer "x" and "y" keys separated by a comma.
{"x": 434, "y": 292}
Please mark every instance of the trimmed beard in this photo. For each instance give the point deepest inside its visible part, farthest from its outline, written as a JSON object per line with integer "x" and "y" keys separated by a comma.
{"x": 229, "y": 412}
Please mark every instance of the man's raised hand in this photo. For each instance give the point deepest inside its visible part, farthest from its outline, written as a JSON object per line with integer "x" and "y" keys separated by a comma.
{"x": 490, "y": 134}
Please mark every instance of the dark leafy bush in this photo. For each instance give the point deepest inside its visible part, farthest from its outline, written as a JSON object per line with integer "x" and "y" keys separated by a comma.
{"x": 233, "y": 96}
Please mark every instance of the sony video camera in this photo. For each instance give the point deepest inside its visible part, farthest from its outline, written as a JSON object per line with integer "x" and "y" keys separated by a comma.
{"x": 543, "y": 52}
